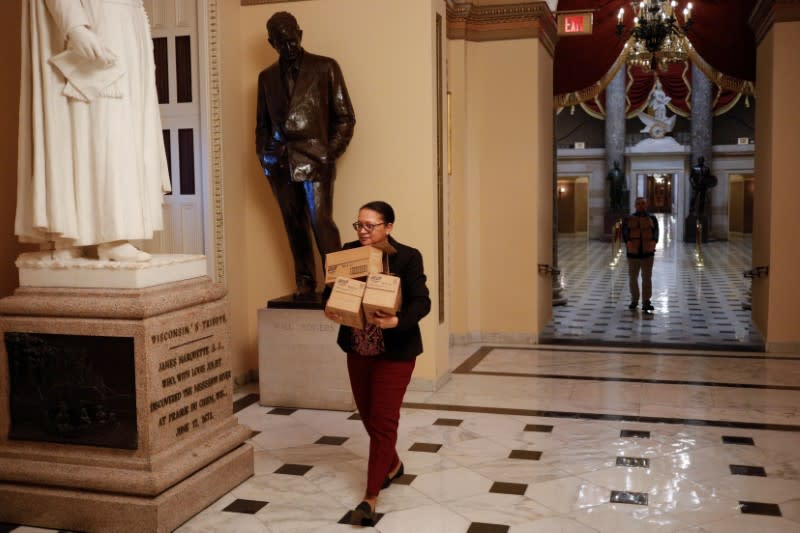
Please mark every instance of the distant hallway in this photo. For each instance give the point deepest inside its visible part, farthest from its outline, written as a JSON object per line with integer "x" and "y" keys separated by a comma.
{"x": 697, "y": 297}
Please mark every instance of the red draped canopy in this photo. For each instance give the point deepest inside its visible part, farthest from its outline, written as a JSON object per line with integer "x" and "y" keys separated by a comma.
{"x": 724, "y": 46}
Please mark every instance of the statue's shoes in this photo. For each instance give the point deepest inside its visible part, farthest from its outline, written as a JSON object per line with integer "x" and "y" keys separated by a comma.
{"x": 124, "y": 252}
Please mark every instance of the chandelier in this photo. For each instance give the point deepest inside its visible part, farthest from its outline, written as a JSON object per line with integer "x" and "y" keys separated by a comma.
{"x": 657, "y": 38}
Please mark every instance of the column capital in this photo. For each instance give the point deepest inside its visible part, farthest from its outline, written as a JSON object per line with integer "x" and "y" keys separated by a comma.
{"x": 768, "y": 12}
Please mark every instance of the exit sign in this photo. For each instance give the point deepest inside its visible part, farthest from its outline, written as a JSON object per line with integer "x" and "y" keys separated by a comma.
{"x": 575, "y": 23}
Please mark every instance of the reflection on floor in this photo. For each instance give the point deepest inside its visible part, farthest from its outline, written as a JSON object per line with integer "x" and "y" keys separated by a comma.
{"x": 544, "y": 439}
{"x": 697, "y": 296}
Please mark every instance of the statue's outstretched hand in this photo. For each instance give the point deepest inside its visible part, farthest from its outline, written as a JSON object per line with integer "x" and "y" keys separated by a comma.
{"x": 85, "y": 42}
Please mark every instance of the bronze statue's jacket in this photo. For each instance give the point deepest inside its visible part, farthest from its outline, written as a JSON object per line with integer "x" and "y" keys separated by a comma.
{"x": 308, "y": 129}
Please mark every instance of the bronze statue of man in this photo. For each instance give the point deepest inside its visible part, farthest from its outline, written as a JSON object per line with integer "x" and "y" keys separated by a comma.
{"x": 701, "y": 180}
{"x": 304, "y": 122}
{"x": 616, "y": 188}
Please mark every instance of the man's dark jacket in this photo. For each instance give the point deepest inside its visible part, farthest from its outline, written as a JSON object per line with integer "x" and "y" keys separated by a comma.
{"x": 314, "y": 125}
{"x": 405, "y": 340}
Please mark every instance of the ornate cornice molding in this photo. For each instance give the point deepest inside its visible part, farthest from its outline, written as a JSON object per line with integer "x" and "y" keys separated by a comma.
{"x": 768, "y": 12}
{"x": 485, "y": 21}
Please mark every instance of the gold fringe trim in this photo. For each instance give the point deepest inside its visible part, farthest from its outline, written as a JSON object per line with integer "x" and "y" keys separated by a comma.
{"x": 730, "y": 83}
{"x": 723, "y": 80}
{"x": 587, "y": 93}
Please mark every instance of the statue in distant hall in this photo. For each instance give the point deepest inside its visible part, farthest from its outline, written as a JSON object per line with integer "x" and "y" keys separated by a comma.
{"x": 657, "y": 124}
{"x": 616, "y": 188}
{"x": 701, "y": 180}
{"x": 304, "y": 121}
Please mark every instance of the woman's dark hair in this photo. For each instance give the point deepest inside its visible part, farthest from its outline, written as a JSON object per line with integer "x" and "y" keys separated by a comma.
{"x": 383, "y": 208}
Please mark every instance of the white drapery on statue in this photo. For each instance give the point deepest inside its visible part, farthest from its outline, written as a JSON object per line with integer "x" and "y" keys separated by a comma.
{"x": 95, "y": 171}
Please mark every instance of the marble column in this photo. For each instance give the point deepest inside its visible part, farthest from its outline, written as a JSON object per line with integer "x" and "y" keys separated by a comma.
{"x": 615, "y": 148}
{"x": 701, "y": 115}
{"x": 615, "y": 122}
{"x": 701, "y": 124}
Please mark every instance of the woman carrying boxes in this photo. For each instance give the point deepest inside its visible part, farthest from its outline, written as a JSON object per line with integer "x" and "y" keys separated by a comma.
{"x": 381, "y": 356}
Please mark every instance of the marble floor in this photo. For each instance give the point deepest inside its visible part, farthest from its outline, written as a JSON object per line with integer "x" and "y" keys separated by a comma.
{"x": 543, "y": 438}
{"x": 675, "y": 422}
{"x": 697, "y": 295}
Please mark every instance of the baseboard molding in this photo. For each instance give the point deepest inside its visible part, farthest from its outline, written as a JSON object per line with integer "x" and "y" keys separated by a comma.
{"x": 783, "y": 347}
{"x": 524, "y": 339}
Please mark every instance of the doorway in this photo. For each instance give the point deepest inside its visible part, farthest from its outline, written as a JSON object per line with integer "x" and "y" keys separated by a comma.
{"x": 740, "y": 204}
{"x": 659, "y": 193}
{"x": 573, "y": 205}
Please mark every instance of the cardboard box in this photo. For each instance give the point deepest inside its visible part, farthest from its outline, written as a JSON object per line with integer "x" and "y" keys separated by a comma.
{"x": 345, "y": 299}
{"x": 382, "y": 293}
{"x": 353, "y": 263}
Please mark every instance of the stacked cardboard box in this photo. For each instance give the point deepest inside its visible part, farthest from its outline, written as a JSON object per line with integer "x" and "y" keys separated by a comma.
{"x": 356, "y": 301}
{"x": 345, "y": 300}
{"x": 355, "y": 263}
{"x": 382, "y": 293}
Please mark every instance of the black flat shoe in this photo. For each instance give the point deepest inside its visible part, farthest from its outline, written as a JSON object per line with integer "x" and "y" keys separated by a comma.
{"x": 389, "y": 479}
{"x": 362, "y": 515}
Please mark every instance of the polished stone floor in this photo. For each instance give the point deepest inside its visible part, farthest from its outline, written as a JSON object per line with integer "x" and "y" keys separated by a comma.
{"x": 672, "y": 423}
{"x": 544, "y": 439}
{"x": 697, "y": 295}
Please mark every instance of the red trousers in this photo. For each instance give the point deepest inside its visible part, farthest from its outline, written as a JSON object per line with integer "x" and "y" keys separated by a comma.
{"x": 378, "y": 387}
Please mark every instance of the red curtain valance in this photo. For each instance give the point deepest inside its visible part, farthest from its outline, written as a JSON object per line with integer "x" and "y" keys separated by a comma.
{"x": 676, "y": 83}
{"x": 724, "y": 49}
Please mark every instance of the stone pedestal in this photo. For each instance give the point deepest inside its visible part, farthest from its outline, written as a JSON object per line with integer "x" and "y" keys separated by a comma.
{"x": 300, "y": 365}
{"x": 116, "y": 409}
{"x": 690, "y": 228}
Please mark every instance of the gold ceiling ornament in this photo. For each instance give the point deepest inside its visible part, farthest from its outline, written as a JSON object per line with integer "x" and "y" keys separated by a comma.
{"x": 657, "y": 37}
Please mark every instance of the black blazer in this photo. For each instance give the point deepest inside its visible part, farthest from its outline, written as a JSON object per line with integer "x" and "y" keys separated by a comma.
{"x": 405, "y": 340}
{"x": 312, "y": 126}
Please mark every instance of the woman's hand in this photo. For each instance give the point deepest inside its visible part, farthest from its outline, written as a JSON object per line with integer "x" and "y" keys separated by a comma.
{"x": 384, "y": 320}
{"x": 85, "y": 42}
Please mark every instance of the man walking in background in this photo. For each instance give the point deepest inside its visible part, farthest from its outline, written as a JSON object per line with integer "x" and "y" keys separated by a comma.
{"x": 640, "y": 233}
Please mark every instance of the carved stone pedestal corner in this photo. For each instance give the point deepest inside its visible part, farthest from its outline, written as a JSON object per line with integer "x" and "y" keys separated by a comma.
{"x": 116, "y": 409}
{"x": 299, "y": 363}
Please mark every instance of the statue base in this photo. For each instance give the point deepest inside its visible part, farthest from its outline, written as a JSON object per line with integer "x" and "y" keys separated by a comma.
{"x": 300, "y": 364}
{"x": 116, "y": 409}
{"x": 690, "y": 228}
{"x": 42, "y": 269}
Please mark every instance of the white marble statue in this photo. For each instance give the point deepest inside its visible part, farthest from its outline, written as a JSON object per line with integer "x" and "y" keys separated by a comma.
{"x": 657, "y": 124}
{"x": 92, "y": 168}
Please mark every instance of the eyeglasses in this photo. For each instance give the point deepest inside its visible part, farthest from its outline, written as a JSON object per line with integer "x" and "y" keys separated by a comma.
{"x": 358, "y": 226}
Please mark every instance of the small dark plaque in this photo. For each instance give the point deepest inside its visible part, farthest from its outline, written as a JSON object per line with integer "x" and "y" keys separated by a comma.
{"x": 767, "y": 509}
{"x": 730, "y": 439}
{"x": 634, "y": 434}
{"x": 633, "y": 498}
{"x": 746, "y": 470}
{"x": 72, "y": 389}
{"x": 636, "y": 462}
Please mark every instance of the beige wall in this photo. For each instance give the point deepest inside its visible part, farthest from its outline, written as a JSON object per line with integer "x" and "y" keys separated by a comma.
{"x": 463, "y": 318}
{"x": 389, "y": 68}
{"x": 9, "y": 117}
{"x": 502, "y": 207}
{"x": 778, "y": 189}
